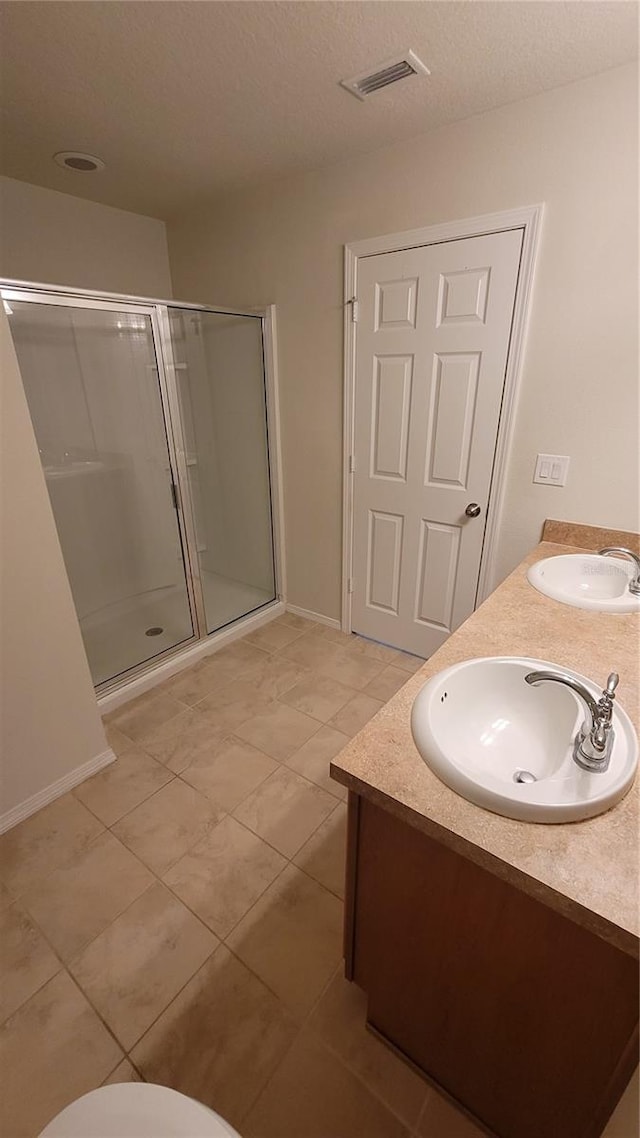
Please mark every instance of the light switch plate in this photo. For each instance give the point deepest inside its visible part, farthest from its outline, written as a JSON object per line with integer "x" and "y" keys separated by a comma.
{"x": 551, "y": 469}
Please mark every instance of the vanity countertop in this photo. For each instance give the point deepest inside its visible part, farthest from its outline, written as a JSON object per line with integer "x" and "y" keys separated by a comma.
{"x": 586, "y": 870}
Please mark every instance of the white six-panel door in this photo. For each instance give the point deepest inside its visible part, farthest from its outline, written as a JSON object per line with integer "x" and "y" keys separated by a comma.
{"x": 432, "y": 341}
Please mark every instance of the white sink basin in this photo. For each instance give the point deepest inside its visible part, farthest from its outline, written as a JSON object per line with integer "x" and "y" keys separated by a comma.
{"x": 478, "y": 726}
{"x": 587, "y": 581}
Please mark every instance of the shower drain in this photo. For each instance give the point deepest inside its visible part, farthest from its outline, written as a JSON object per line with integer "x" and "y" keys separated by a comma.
{"x": 155, "y": 631}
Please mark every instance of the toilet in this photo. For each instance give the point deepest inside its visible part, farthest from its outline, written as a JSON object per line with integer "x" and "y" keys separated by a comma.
{"x": 137, "y": 1110}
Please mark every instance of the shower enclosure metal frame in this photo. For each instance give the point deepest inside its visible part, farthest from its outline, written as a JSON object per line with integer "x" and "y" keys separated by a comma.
{"x": 157, "y": 310}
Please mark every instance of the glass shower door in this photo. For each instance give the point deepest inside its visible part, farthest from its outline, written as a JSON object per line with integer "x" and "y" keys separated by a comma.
{"x": 218, "y": 364}
{"x": 93, "y": 389}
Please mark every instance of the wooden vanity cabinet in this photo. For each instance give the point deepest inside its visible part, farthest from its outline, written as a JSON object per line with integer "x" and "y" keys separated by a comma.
{"x": 526, "y": 1019}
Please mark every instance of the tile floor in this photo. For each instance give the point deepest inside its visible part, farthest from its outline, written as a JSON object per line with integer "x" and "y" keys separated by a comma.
{"x": 178, "y": 917}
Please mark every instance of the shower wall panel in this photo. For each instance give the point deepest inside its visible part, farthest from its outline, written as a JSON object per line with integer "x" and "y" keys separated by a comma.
{"x": 96, "y": 402}
{"x": 91, "y": 381}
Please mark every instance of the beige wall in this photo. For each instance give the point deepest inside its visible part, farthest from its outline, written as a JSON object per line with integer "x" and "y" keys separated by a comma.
{"x": 50, "y": 721}
{"x": 574, "y": 148}
{"x": 61, "y": 239}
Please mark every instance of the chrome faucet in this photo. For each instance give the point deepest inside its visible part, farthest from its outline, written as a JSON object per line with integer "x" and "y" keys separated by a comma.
{"x": 634, "y": 583}
{"x": 592, "y": 745}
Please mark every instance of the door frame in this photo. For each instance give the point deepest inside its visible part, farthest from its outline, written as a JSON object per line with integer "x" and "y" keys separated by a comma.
{"x": 527, "y": 218}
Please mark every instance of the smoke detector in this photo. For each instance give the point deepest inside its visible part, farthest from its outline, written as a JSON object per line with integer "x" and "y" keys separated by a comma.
{"x": 79, "y": 162}
{"x": 384, "y": 74}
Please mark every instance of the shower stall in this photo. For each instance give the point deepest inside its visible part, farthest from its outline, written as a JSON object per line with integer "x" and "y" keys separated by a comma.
{"x": 155, "y": 423}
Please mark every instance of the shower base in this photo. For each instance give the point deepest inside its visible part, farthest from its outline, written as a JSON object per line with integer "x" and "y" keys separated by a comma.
{"x": 118, "y": 639}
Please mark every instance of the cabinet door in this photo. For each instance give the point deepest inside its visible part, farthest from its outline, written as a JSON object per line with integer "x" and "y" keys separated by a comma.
{"x": 525, "y": 1018}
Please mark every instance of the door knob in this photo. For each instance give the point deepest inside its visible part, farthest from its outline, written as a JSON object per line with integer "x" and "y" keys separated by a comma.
{"x": 473, "y": 510}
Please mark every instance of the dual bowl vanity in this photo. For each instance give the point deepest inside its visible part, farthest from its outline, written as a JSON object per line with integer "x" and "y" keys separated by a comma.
{"x": 492, "y": 849}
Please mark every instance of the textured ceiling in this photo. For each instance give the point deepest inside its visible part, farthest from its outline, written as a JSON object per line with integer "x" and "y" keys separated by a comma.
{"x": 185, "y": 101}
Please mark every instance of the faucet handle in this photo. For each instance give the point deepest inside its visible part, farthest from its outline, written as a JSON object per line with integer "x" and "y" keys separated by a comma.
{"x": 612, "y": 684}
{"x": 605, "y": 703}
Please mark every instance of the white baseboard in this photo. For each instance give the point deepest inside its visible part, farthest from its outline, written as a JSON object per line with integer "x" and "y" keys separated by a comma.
{"x": 317, "y": 616}
{"x": 110, "y": 700}
{"x": 25, "y": 809}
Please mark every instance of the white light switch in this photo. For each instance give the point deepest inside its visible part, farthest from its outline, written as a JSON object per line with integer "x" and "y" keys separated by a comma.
{"x": 551, "y": 469}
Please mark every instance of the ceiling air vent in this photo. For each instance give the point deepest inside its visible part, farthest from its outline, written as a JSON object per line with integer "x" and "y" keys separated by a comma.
{"x": 384, "y": 74}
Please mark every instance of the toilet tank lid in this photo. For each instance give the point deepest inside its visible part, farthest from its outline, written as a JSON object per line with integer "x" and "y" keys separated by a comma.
{"x": 143, "y": 1109}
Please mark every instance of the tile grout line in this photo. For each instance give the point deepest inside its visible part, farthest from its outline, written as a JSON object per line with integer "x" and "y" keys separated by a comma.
{"x": 224, "y": 814}
{"x": 428, "y": 1097}
{"x": 274, "y": 699}
{"x": 232, "y": 736}
{"x": 125, "y": 1059}
{"x": 126, "y": 814}
{"x": 311, "y": 675}
{"x": 211, "y": 802}
{"x": 108, "y": 827}
{"x": 289, "y": 860}
{"x": 292, "y": 865}
{"x": 222, "y": 939}
{"x": 66, "y": 966}
{"x": 301, "y": 1027}
{"x": 259, "y": 979}
{"x": 361, "y": 1079}
{"x": 341, "y": 1060}
{"x": 127, "y": 1050}
{"x": 97, "y": 1013}
{"x": 158, "y": 880}
{"x": 61, "y": 968}
{"x": 66, "y": 865}
{"x": 314, "y": 785}
{"x": 273, "y": 653}
{"x": 66, "y": 862}
{"x": 152, "y": 794}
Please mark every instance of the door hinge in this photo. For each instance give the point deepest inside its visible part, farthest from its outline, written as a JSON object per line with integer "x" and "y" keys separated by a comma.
{"x": 350, "y": 585}
{"x": 352, "y": 464}
{"x": 174, "y": 496}
{"x": 355, "y": 310}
